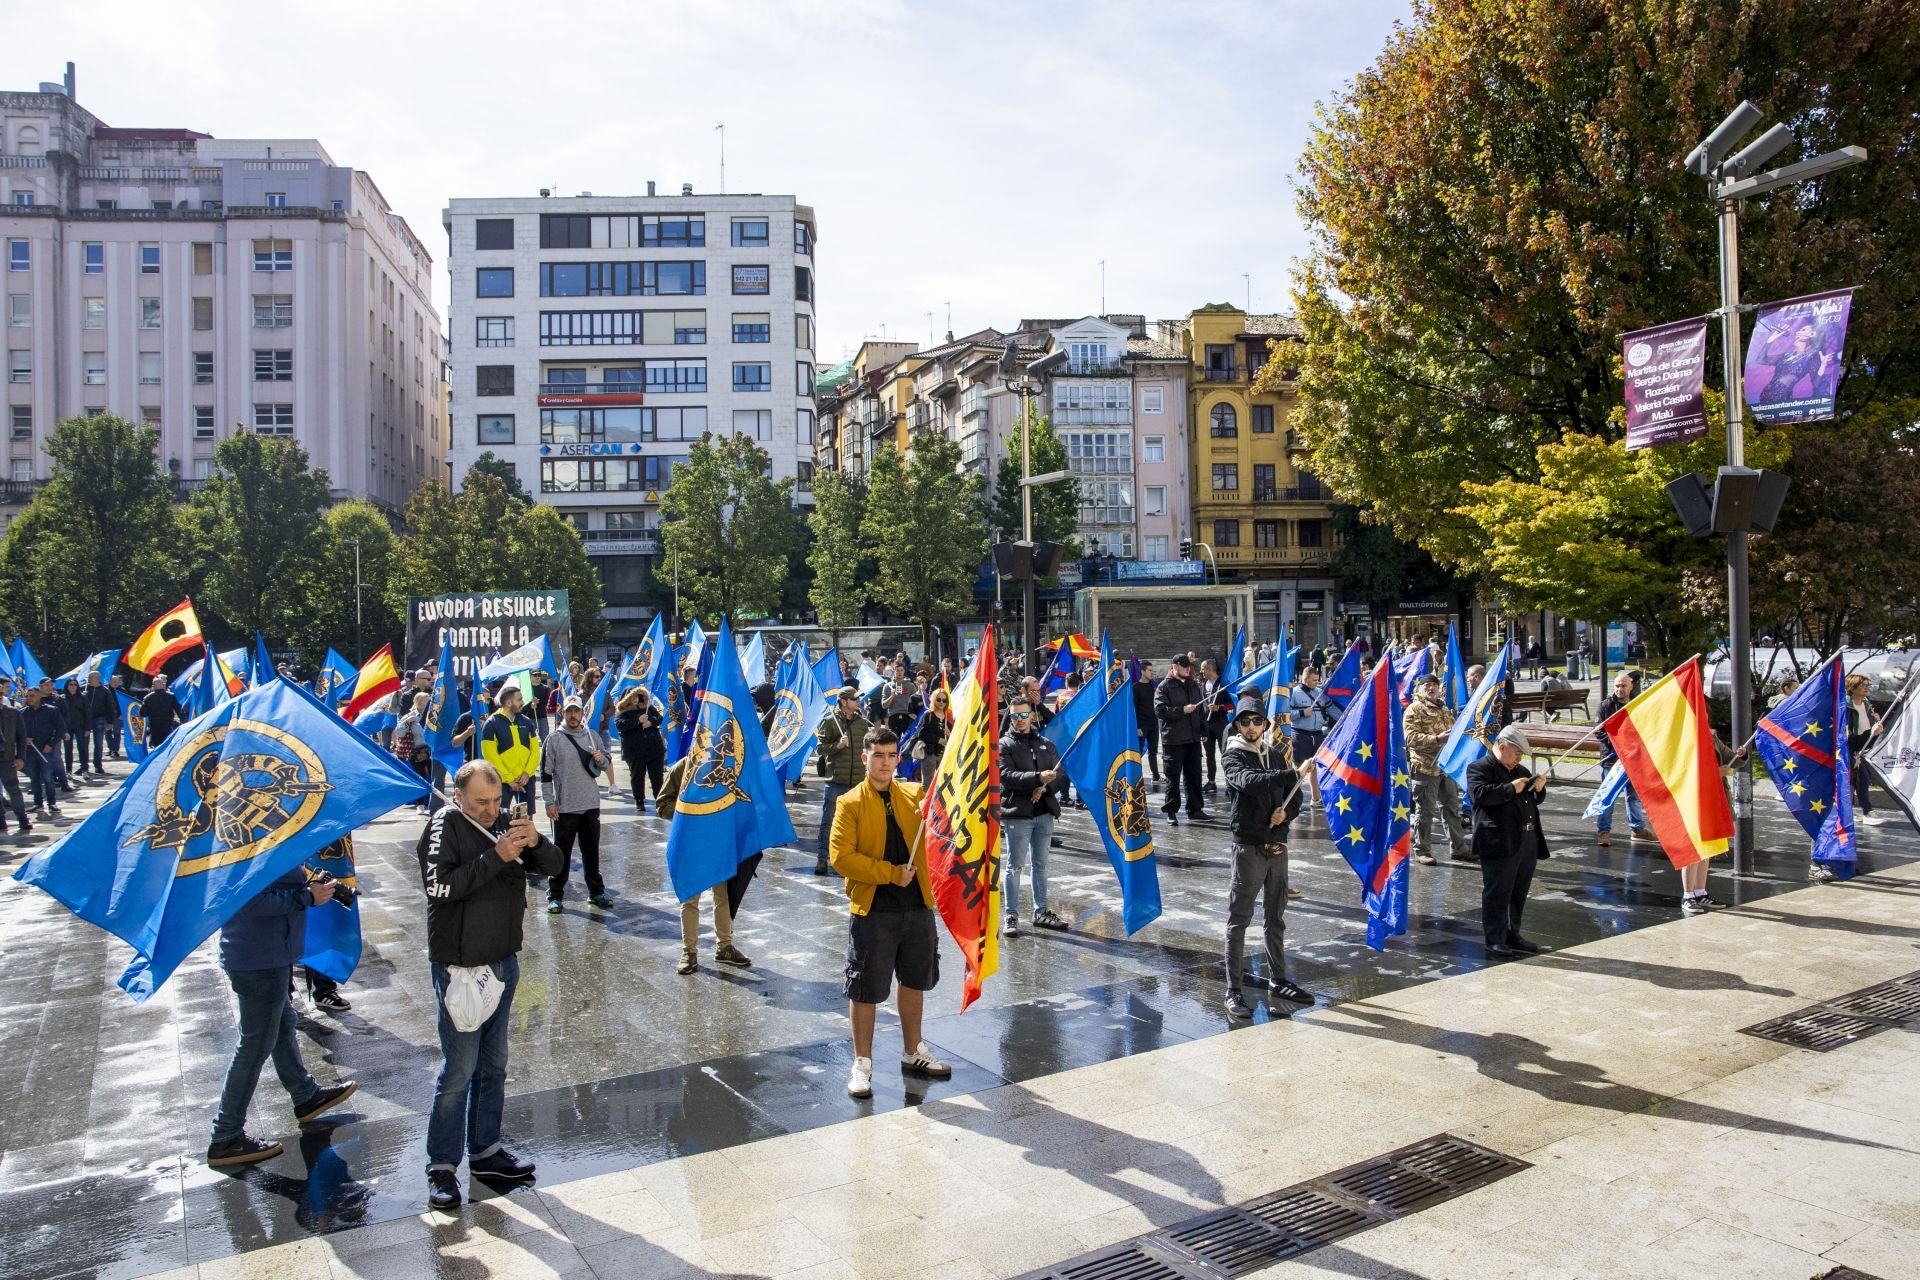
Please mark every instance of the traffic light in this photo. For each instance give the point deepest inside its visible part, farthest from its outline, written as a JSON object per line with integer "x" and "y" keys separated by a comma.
{"x": 1186, "y": 548}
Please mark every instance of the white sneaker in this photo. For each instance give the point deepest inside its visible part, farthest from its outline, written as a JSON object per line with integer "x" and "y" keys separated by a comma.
{"x": 860, "y": 1083}
{"x": 923, "y": 1061}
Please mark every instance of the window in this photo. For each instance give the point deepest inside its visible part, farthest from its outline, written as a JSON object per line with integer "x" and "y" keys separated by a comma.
{"x": 1153, "y": 448}
{"x": 626, "y": 521}
{"x": 493, "y": 380}
{"x": 803, "y": 377}
{"x": 1085, "y": 356}
{"x": 1154, "y": 546}
{"x": 1226, "y": 533}
{"x": 19, "y": 366}
{"x": 1223, "y": 421}
{"x": 1313, "y": 533}
{"x": 203, "y": 259}
{"x": 94, "y": 369}
{"x": 272, "y": 366}
{"x": 1219, "y": 363}
{"x": 273, "y": 419}
{"x": 803, "y": 331}
{"x": 493, "y": 282}
{"x": 621, "y": 425}
{"x": 802, "y": 284}
{"x": 676, "y": 377}
{"x": 19, "y": 310}
{"x": 23, "y": 198}
{"x": 803, "y": 477}
{"x": 496, "y": 428}
{"x": 665, "y": 231}
{"x": 1311, "y": 490}
{"x": 1156, "y": 500}
{"x": 276, "y": 199}
{"x": 493, "y": 233}
{"x": 802, "y": 239}
{"x": 1266, "y": 533}
{"x": 803, "y": 426}
{"x": 93, "y": 255}
{"x": 19, "y": 255}
{"x": 565, "y": 231}
{"x": 755, "y": 424}
{"x": 23, "y": 422}
{"x": 493, "y": 331}
{"x": 203, "y": 314}
{"x": 753, "y": 377}
{"x": 272, "y": 310}
{"x": 22, "y": 470}
{"x": 596, "y": 475}
{"x": 149, "y": 368}
{"x": 1263, "y": 419}
{"x": 149, "y": 313}
{"x": 93, "y": 313}
{"x": 1153, "y": 400}
{"x": 752, "y": 326}
{"x": 689, "y": 327}
{"x": 149, "y": 259}
{"x": 203, "y": 422}
{"x": 203, "y": 469}
{"x": 749, "y": 232}
{"x": 751, "y": 279}
{"x": 1226, "y": 477}
{"x": 1263, "y": 489}
{"x": 202, "y": 368}
{"x": 273, "y": 255}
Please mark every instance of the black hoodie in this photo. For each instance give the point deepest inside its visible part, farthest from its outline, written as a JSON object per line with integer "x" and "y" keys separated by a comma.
{"x": 1259, "y": 780}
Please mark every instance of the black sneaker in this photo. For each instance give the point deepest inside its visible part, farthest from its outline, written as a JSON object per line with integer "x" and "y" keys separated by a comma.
{"x": 332, "y": 1002}
{"x": 1287, "y": 989}
{"x": 443, "y": 1190}
{"x": 324, "y": 1101}
{"x": 1048, "y": 920}
{"x": 602, "y": 901}
{"x": 501, "y": 1166}
{"x": 1013, "y": 927}
{"x": 1172, "y": 816}
{"x": 819, "y": 868}
{"x": 1199, "y": 815}
{"x": 241, "y": 1150}
{"x": 1237, "y": 1007}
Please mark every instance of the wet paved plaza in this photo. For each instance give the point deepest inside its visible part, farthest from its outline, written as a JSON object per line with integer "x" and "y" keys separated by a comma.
{"x": 619, "y": 1063}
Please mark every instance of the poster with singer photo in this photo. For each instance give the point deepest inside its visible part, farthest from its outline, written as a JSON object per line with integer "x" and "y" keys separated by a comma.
{"x": 1793, "y": 359}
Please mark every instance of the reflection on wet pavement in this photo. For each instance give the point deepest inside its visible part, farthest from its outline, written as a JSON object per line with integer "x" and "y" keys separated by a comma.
{"x": 617, "y": 1061}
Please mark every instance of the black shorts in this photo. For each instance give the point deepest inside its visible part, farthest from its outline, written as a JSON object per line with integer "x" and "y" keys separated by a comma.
{"x": 884, "y": 945}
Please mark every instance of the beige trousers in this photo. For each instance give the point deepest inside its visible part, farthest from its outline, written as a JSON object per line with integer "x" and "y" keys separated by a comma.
{"x": 722, "y": 919}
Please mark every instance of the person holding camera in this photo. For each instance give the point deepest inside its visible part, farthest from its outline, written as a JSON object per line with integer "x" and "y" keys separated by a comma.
{"x": 474, "y": 863}
{"x": 575, "y": 757}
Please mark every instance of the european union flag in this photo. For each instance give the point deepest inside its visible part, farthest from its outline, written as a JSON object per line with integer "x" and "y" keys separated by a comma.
{"x": 1367, "y": 790}
{"x": 443, "y": 712}
{"x": 535, "y": 655}
{"x": 1478, "y": 723}
{"x": 1344, "y": 681}
{"x": 1408, "y": 670}
{"x": 231, "y": 802}
{"x": 133, "y": 727}
{"x": 732, "y": 805}
{"x": 333, "y": 682}
{"x": 1803, "y": 743}
{"x": 1237, "y": 658}
{"x": 333, "y": 927}
{"x": 1108, "y": 772}
{"x": 799, "y": 704}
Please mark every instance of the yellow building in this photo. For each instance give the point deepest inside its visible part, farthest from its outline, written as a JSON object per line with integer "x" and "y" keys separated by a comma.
{"x": 1260, "y": 517}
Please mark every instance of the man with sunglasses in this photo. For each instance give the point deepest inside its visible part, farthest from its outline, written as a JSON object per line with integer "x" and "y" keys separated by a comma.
{"x": 1031, "y": 782}
{"x": 1264, "y": 792}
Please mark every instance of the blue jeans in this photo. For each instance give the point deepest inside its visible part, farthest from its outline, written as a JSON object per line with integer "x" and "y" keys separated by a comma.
{"x": 40, "y": 775}
{"x": 471, "y": 1094}
{"x": 99, "y": 744}
{"x": 1028, "y": 840}
{"x": 266, "y": 1030}
{"x": 828, "y": 804}
{"x": 1636, "y": 814}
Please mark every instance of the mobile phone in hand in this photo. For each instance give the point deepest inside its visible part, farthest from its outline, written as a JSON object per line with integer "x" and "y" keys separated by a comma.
{"x": 520, "y": 811}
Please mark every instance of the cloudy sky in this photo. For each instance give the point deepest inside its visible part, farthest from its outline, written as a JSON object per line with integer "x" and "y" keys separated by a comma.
{"x": 982, "y": 156}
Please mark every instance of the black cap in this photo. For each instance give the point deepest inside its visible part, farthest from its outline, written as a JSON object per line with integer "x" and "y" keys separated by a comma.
{"x": 1251, "y": 704}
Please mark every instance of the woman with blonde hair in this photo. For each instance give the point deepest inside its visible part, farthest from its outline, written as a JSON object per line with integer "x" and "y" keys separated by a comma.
{"x": 641, "y": 746}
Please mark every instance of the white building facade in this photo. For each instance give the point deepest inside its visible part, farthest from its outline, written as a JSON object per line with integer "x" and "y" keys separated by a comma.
{"x": 595, "y": 338}
{"x": 205, "y": 286}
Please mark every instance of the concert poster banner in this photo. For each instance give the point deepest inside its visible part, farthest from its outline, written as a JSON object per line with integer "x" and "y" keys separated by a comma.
{"x": 1793, "y": 359}
{"x": 483, "y": 623}
{"x": 1664, "y": 367}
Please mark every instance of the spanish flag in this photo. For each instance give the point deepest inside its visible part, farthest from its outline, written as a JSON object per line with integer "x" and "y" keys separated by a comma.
{"x": 1665, "y": 743}
{"x": 960, "y": 824}
{"x": 174, "y": 632}
{"x": 378, "y": 678}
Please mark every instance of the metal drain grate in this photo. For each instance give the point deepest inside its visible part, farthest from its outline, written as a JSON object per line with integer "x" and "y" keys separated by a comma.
{"x": 1845, "y": 1019}
{"x": 1298, "y": 1219}
{"x": 1844, "y": 1273}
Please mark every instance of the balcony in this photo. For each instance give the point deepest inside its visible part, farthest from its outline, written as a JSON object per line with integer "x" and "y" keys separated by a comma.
{"x": 590, "y": 388}
{"x": 1224, "y": 373}
{"x": 1294, "y": 493}
{"x": 1115, "y": 370}
{"x": 23, "y": 162}
{"x": 18, "y": 492}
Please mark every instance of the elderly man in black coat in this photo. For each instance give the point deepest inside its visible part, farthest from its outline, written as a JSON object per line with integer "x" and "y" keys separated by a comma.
{"x": 1507, "y": 838}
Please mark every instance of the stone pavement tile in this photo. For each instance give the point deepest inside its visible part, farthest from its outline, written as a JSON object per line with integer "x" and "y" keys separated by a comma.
{"x": 1714, "y": 1248}
{"x": 299, "y": 1260}
{"x": 410, "y": 1229}
{"x": 491, "y": 1217}
{"x": 521, "y": 1258}
{"x": 770, "y": 1247}
{"x": 663, "y": 1255}
{"x": 906, "y": 1247}
{"x": 1627, "y": 1145}
{"x": 794, "y": 1174}
{"x": 578, "y": 1191}
{"x": 1878, "y": 1251}
{"x": 178, "y": 1273}
{"x": 1008, "y": 1243}
{"x": 846, "y": 1208}
{"x": 832, "y": 1269}
{"x": 1750, "y": 1208}
{"x": 609, "y": 1217}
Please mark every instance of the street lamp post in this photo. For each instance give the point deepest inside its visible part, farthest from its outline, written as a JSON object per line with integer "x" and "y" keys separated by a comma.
{"x": 359, "y": 654}
{"x": 1728, "y": 186}
{"x": 1025, "y": 387}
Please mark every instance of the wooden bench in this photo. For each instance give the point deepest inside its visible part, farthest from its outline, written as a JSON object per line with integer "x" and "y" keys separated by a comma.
{"x": 1547, "y": 703}
{"x": 1551, "y": 741}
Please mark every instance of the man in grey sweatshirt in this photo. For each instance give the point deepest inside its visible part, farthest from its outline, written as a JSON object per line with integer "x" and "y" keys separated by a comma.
{"x": 573, "y": 801}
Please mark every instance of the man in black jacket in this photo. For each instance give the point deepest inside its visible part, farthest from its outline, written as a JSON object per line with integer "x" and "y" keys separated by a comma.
{"x": 1264, "y": 791}
{"x": 1031, "y": 781}
{"x": 1149, "y": 723}
{"x": 161, "y": 710}
{"x": 1179, "y": 704}
{"x": 103, "y": 711}
{"x": 13, "y": 757}
{"x": 1507, "y": 838}
{"x": 474, "y": 862}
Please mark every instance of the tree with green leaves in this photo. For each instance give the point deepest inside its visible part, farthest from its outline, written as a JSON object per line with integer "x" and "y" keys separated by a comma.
{"x": 926, "y": 524}
{"x": 838, "y": 594}
{"x": 1380, "y": 569}
{"x": 254, "y": 529}
{"x": 94, "y": 557}
{"x": 329, "y": 616}
{"x": 730, "y": 526}
{"x": 492, "y": 464}
{"x": 1056, "y": 506}
{"x": 544, "y": 551}
{"x": 455, "y": 541}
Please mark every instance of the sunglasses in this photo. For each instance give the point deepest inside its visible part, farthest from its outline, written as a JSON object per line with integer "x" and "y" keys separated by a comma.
{"x": 1023, "y": 715}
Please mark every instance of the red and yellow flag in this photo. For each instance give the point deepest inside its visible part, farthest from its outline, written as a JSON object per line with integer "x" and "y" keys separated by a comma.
{"x": 174, "y": 632}
{"x": 378, "y": 678}
{"x": 960, "y": 823}
{"x": 1665, "y": 744}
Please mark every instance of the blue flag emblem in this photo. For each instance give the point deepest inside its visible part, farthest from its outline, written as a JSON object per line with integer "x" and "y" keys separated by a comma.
{"x": 798, "y": 706}
{"x": 334, "y": 680}
{"x": 133, "y": 727}
{"x": 333, "y": 928}
{"x": 1110, "y": 775}
{"x": 1478, "y": 722}
{"x": 443, "y": 712}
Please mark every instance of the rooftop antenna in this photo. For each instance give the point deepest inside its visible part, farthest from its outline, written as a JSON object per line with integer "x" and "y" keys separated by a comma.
{"x": 949, "y": 305}
{"x": 1103, "y": 286}
{"x": 722, "y": 130}
{"x": 1248, "y": 278}
{"x": 930, "y": 341}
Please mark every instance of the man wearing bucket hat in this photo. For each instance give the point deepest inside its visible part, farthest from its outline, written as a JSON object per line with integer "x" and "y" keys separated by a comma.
{"x": 1263, "y": 792}
{"x": 575, "y": 757}
{"x": 1507, "y": 838}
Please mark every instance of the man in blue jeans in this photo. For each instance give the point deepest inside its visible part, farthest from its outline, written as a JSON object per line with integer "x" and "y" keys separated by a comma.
{"x": 1031, "y": 782}
{"x": 44, "y": 724}
{"x": 258, "y": 949}
{"x": 474, "y": 863}
{"x": 1636, "y": 812}
{"x": 103, "y": 711}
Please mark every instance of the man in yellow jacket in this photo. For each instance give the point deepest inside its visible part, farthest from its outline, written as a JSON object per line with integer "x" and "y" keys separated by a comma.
{"x": 508, "y": 743}
{"x": 875, "y": 847}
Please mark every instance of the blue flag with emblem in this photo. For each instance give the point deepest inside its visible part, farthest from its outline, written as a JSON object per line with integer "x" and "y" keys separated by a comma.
{"x": 1803, "y": 743}
{"x": 1367, "y": 791}
{"x": 535, "y": 655}
{"x": 1453, "y": 681}
{"x": 668, "y": 693}
{"x": 333, "y": 682}
{"x": 1475, "y": 728}
{"x": 443, "y": 712}
{"x": 683, "y": 743}
{"x": 753, "y": 660}
{"x": 103, "y": 662}
{"x": 1237, "y": 658}
{"x": 26, "y": 668}
{"x": 1079, "y": 711}
{"x": 1107, "y": 770}
{"x": 261, "y": 668}
{"x": 1344, "y": 681}
{"x": 652, "y": 653}
{"x": 1279, "y": 689}
{"x": 696, "y": 641}
{"x": 333, "y": 928}
{"x": 228, "y": 804}
{"x": 799, "y": 704}
{"x": 133, "y": 727}
{"x": 731, "y": 804}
